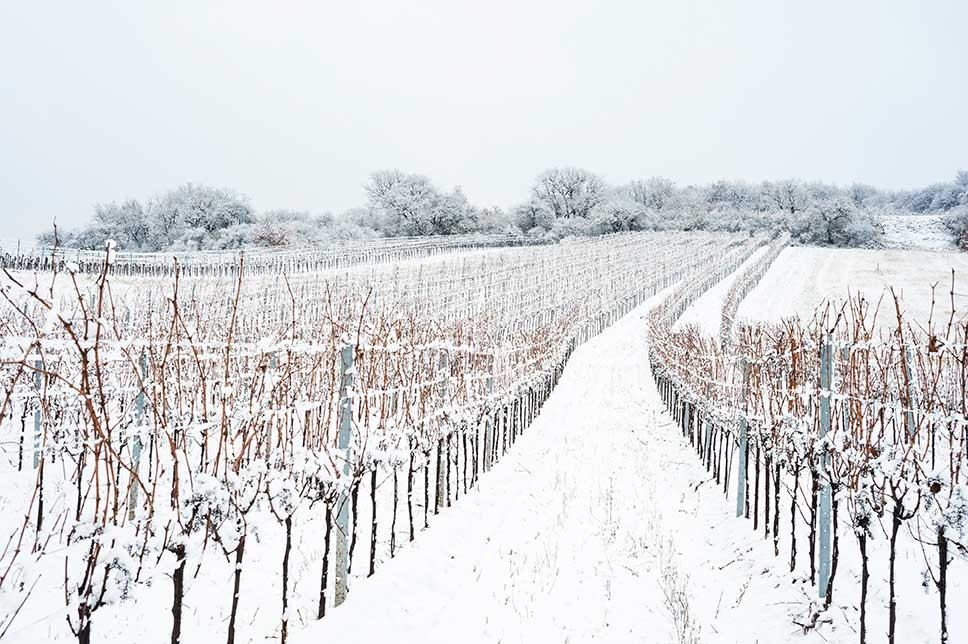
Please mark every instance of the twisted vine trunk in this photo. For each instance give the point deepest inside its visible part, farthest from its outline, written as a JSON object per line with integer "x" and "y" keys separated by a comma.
{"x": 393, "y": 523}
{"x": 835, "y": 552}
{"x": 447, "y": 471}
{"x": 892, "y": 602}
{"x": 464, "y": 480}
{"x": 439, "y": 497}
{"x": 943, "y": 582}
{"x": 372, "y": 522}
{"x": 814, "y": 489}
{"x": 239, "y": 554}
{"x": 864, "y": 579}
{"x": 426, "y": 492}
{"x": 410, "y": 494}
{"x": 285, "y": 582}
{"x": 354, "y": 496}
{"x": 84, "y": 633}
{"x": 767, "y": 469}
{"x": 324, "y": 578}
{"x": 178, "y": 593}
{"x": 756, "y": 492}
{"x": 776, "y": 511}
{"x": 793, "y": 519}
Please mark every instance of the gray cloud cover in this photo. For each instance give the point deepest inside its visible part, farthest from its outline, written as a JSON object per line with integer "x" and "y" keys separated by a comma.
{"x": 294, "y": 103}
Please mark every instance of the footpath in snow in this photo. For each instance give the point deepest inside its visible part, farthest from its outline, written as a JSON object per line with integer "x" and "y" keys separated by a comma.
{"x": 599, "y": 525}
{"x": 707, "y": 311}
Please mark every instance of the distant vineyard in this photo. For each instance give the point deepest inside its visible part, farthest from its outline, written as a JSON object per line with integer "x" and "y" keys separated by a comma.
{"x": 333, "y": 256}
{"x": 190, "y": 428}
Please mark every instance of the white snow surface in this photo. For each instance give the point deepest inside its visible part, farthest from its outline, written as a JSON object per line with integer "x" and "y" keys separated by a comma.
{"x": 926, "y": 232}
{"x": 803, "y": 276}
{"x": 570, "y": 536}
{"x": 580, "y": 533}
{"x": 707, "y": 311}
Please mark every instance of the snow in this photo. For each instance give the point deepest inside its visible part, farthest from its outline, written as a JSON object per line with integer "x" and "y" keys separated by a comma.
{"x": 582, "y": 532}
{"x": 576, "y": 534}
{"x": 802, "y": 277}
{"x": 706, "y": 312}
{"x": 925, "y": 232}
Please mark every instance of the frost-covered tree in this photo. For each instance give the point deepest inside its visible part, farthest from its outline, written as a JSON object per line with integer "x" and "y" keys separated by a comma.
{"x": 404, "y": 200}
{"x": 654, "y": 193}
{"x": 621, "y": 215}
{"x": 189, "y": 213}
{"x": 789, "y": 196}
{"x": 410, "y": 204}
{"x": 838, "y": 222}
{"x": 452, "y": 213}
{"x": 942, "y": 196}
{"x": 563, "y": 202}
{"x": 862, "y": 194}
{"x": 126, "y": 221}
{"x": 735, "y": 195}
{"x": 961, "y": 181}
{"x": 189, "y": 216}
{"x": 568, "y": 192}
{"x": 957, "y": 222}
{"x": 492, "y": 219}
{"x": 530, "y": 216}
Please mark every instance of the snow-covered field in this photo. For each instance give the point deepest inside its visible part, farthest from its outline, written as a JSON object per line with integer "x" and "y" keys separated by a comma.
{"x": 804, "y": 276}
{"x": 926, "y": 232}
{"x": 600, "y": 525}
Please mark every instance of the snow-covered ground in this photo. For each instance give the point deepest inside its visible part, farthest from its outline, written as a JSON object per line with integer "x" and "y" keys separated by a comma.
{"x": 599, "y": 525}
{"x": 926, "y": 232}
{"x": 706, "y": 312}
{"x": 592, "y": 528}
{"x": 802, "y": 277}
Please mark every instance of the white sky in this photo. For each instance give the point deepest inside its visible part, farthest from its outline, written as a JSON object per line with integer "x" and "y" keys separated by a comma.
{"x": 294, "y": 103}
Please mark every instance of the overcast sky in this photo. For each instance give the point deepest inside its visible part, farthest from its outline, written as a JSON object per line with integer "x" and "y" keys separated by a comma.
{"x": 294, "y": 103}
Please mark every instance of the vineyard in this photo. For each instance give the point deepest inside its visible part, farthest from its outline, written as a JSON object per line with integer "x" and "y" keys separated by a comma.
{"x": 842, "y": 426}
{"x": 226, "y": 445}
{"x": 195, "y": 428}
{"x": 337, "y": 255}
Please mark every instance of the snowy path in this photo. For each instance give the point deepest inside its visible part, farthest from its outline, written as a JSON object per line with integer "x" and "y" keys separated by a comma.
{"x": 707, "y": 311}
{"x": 566, "y": 537}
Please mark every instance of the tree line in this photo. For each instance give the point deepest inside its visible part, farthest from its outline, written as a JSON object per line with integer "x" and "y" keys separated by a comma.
{"x": 563, "y": 202}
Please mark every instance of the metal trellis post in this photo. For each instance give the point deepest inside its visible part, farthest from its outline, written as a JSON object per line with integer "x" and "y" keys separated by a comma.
{"x": 139, "y": 415}
{"x": 823, "y": 536}
{"x": 343, "y": 444}
{"x": 39, "y": 384}
{"x": 743, "y": 444}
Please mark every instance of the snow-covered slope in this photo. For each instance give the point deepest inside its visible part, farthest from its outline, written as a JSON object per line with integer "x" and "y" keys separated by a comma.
{"x": 802, "y": 277}
{"x": 926, "y": 232}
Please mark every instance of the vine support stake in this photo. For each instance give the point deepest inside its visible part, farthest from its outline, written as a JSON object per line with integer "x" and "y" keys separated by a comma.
{"x": 823, "y": 536}
{"x": 39, "y": 385}
{"x": 488, "y": 424}
{"x": 139, "y": 415}
{"x": 743, "y": 444}
{"x": 343, "y": 444}
{"x": 442, "y": 467}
